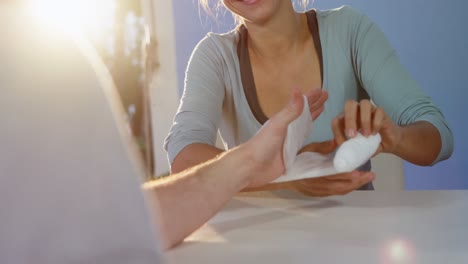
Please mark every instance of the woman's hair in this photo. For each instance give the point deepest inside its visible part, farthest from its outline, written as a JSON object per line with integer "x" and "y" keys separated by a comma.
{"x": 213, "y": 7}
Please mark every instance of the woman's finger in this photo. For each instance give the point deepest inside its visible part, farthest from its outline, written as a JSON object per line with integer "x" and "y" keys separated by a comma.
{"x": 316, "y": 99}
{"x": 377, "y": 121}
{"x": 351, "y": 113}
{"x": 338, "y": 128}
{"x": 313, "y": 95}
{"x": 316, "y": 102}
{"x": 364, "y": 178}
{"x": 365, "y": 112}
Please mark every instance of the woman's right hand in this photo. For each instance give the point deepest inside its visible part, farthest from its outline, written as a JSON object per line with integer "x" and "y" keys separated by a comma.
{"x": 316, "y": 99}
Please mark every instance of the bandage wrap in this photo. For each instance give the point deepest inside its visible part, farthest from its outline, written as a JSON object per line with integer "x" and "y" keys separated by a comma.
{"x": 355, "y": 151}
{"x": 349, "y": 156}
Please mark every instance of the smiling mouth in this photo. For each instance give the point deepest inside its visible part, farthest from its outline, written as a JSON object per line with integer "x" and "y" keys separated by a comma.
{"x": 248, "y": 2}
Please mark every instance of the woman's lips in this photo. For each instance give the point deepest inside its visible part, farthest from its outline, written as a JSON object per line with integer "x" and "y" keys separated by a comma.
{"x": 250, "y": 2}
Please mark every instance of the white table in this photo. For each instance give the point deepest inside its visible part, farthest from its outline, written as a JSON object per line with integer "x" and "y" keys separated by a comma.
{"x": 362, "y": 227}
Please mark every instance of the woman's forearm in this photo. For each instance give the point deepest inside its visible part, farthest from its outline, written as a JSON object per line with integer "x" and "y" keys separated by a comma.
{"x": 193, "y": 155}
{"x": 419, "y": 143}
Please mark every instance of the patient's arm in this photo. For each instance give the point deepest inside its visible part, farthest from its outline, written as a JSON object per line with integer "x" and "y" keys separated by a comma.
{"x": 188, "y": 199}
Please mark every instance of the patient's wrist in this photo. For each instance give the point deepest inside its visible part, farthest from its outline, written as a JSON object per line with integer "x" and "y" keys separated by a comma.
{"x": 240, "y": 164}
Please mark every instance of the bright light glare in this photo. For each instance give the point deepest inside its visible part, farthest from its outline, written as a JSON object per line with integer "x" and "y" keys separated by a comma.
{"x": 398, "y": 251}
{"x": 92, "y": 17}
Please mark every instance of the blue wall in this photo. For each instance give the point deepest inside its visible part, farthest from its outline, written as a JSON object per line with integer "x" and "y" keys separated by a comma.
{"x": 431, "y": 38}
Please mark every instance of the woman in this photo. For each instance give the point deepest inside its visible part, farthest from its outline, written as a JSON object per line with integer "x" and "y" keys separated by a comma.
{"x": 235, "y": 81}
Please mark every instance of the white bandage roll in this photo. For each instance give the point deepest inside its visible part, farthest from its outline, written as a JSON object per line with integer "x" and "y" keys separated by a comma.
{"x": 355, "y": 151}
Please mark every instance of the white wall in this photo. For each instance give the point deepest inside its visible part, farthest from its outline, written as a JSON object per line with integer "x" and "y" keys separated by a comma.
{"x": 163, "y": 88}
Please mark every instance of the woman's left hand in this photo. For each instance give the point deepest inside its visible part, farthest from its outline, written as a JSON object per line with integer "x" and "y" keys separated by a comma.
{"x": 368, "y": 120}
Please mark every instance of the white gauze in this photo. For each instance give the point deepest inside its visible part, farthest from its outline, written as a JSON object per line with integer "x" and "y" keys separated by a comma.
{"x": 298, "y": 131}
{"x": 349, "y": 156}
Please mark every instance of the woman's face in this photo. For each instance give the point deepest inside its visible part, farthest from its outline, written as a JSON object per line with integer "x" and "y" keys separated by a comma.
{"x": 254, "y": 11}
